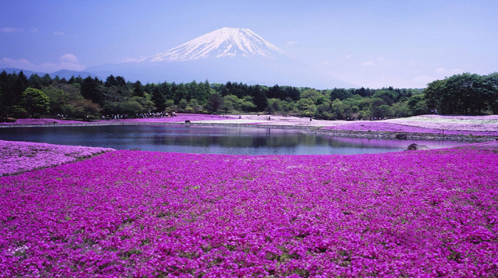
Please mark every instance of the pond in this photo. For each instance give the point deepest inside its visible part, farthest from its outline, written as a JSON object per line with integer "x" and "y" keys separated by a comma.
{"x": 214, "y": 140}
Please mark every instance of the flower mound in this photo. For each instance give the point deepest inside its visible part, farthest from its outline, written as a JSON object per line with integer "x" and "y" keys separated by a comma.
{"x": 25, "y": 156}
{"x": 41, "y": 122}
{"x": 146, "y": 214}
{"x": 181, "y": 118}
{"x": 454, "y": 129}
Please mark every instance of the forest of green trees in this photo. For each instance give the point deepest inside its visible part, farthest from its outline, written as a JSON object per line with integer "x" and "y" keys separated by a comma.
{"x": 81, "y": 98}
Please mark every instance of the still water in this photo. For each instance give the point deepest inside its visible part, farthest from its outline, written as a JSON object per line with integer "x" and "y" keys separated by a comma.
{"x": 214, "y": 140}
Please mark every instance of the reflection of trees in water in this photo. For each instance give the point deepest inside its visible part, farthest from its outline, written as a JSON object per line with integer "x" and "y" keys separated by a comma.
{"x": 256, "y": 140}
{"x": 391, "y": 143}
{"x": 224, "y": 137}
{"x": 230, "y": 141}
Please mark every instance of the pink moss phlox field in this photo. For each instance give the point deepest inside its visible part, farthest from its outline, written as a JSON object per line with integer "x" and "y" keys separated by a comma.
{"x": 390, "y": 127}
{"x": 41, "y": 122}
{"x": 147, "y": 214}
{"x": 462, "y": 117}
{"x": 25, "y": 156}
{"x": 181, "y": 118}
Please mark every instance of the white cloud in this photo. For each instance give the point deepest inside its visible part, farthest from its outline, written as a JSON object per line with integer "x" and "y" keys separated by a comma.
{"x": 59, "y": 33}
{"x": 128, "y": 60}
{"x": 66, "y": 62}
{"x": 367, "y": 63}
{"x": 448, "y": 71}
{"x": 68, "y": 57}
{"x": 12, "y": 63}
{"x": 10, "y": 30}
{"x": 292, "y": 42}
{"x": 348, "y": 56}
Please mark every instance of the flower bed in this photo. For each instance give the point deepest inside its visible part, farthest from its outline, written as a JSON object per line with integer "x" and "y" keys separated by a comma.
{"x": 181, "y": 118}
{"x": 25, "y": 156}
{"x": 147, "y": 214}
{"x": 41, "y": 122}
{"x": 469, "y": 124}
{"x": 410, "y": 127}
{"x": 455, "y": 119}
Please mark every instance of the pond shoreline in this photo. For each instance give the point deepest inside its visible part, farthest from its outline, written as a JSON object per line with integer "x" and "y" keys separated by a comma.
{"x": 306, "y": 129}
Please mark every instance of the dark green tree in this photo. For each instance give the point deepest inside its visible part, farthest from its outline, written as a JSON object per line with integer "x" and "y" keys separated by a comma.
{"x": 214, "y": 102}
{"x": 19, "y": 86}
{"x": 114, "y": 97}
{"x": 434, "y": 94}
{"x": 35, "y": 101}
{"x": 470, "y": 90}
{"x": 120, "y": 81}
{"x": 491, "y": 83}
{"x": 459, "y": 94}
{"x": 138, "y": 90}
{"x": 389, "y": 96}
{"x": 276, "y": 92}
{"x": 34, "y": 81}
{"x": 111, "y": 81}
{"x": 418, "y": 105}
{"x": 46, "y": 80}
{"x": 259, "y": 97}
{"x": 158, "y": 99}
{"x": 90, "y": 90}
{"x": 377, "y": 108}
{"x": 292, "y": 93}
{"x": 340, "y": 94}
{"x": 2, "y": 104}
{"x": 181, "y": 92}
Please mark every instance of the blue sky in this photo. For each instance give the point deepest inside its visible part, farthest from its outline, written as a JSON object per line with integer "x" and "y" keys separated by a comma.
{"x": 368, "y": 43}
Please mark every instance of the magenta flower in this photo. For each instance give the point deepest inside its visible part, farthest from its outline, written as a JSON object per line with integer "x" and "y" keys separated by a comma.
{"x": 148, "y": 214}
{"x": 19, "y": 157}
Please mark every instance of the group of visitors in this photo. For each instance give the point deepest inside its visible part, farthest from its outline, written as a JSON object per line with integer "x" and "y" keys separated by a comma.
{"x": 114, "y": 117}
{"x": 139, "y": 115}
{"x": 156, "y": 115}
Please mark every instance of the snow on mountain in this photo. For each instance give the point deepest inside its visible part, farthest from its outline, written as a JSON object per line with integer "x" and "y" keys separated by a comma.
{"x": 224, "y": 42}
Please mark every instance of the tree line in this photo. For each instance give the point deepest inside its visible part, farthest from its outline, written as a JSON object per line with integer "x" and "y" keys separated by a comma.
{"x": 89, "y": 97}
{"x": 464, "y": 94}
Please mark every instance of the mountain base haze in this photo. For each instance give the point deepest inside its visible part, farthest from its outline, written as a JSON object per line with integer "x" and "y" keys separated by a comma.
{"x": 221, "y": 70}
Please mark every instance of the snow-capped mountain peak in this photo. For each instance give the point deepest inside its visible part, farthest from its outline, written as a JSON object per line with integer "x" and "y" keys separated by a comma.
{"x": 224, "y": 42}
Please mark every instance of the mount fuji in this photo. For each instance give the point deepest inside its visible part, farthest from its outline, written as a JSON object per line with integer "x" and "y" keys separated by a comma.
{"x": 224, "y": 42}
{"x": 226, "y": 54}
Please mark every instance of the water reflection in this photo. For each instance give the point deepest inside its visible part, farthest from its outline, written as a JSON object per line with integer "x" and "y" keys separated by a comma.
{"x": 217, "y": 140}
{"x": 366, "y": 142}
